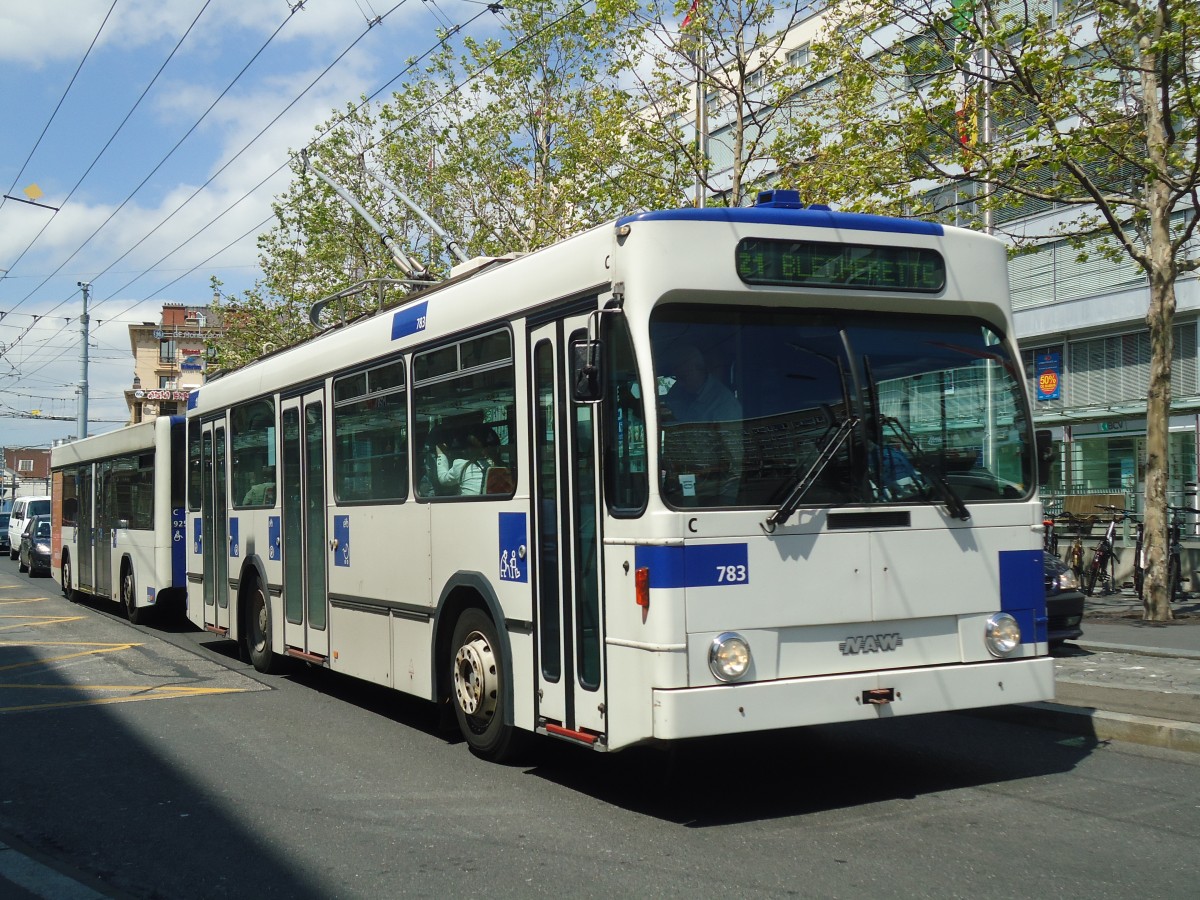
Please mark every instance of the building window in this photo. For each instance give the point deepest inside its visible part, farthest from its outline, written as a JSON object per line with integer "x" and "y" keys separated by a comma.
{"x": 166, "y": 382}
{"x": 166, "y": 351}
{"x": 799, "y": 56}
{"x": 24, "y": 465}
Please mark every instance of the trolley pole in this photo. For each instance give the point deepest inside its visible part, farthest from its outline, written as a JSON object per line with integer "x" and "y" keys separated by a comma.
{"x": 81, "y": 424}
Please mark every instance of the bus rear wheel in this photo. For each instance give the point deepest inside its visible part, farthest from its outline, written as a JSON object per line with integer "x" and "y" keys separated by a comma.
{"x": 258, "y": 630}
{"x": 478, "y": 688}
{"x": 68, "y": 591}
{"x": 135, "y": 613}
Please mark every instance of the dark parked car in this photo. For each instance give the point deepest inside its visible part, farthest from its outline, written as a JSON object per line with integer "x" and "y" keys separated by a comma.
{"x": 1064, "y": 601}
{"x": 34, "y": 553}
{"x": 4, "y": 544}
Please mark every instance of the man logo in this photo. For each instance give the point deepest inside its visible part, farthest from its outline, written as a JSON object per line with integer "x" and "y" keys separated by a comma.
{"x": 870, "y": 643}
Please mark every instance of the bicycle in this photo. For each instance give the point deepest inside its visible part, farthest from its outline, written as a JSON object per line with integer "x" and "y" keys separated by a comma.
{"x": 1075, "y": 553}
{"x": 1175, "y": 551}
{"x": 1139, "y": 556}
{"x": 1103, "y": 558}
{"x": 1049, "y": 536}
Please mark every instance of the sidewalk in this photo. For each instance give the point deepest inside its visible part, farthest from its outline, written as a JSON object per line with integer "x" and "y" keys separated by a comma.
{"x": 1127, "y": 679}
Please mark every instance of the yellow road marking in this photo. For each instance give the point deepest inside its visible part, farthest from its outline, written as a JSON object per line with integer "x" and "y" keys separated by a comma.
{"x": 78, "y": 650}
{"x": 35, "y": 621}
{"x": 147, "y": 693}
{"x": 95, "y": 650}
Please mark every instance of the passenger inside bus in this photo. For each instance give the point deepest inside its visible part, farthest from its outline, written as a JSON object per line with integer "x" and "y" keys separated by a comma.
{"x": 702, "y": 442}
{"x": 463, "y": 462}
{"x": 263, "y": 492}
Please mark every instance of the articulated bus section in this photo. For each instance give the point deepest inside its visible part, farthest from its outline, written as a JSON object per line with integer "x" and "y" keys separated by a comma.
{"x": 117, "y": 515}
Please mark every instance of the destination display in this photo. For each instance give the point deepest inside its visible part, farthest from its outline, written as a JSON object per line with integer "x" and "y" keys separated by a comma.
{"x": 851, "y": 266}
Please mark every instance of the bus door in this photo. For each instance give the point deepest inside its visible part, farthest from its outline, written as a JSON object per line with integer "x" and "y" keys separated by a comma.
{"x": 105, "y": 533}
{"x": 568, "y": 618}
{"x": 214, "y": 518}
{"x": 85, "y": 534}
{"x": 305, "y": 549}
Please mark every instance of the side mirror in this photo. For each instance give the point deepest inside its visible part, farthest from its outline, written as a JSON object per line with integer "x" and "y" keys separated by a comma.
{"x": 587, "y": 382}
{"x": 1045, "y": 454}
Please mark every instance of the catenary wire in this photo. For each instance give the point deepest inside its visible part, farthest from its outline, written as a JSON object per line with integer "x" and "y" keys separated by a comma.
{"x": 61, "y": 99}
{"x": 107, "y": 143}
{"x": 163, "y": 161}
{"x": 491, "y": 7}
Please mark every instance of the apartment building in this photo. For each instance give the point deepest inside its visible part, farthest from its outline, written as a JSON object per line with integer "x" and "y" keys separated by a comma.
{"x": 1081, "y": 326}
{"x": 169, "y": 360}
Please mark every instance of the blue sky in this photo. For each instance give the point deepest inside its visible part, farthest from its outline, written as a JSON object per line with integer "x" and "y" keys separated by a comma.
{"x": 135, "y": 260}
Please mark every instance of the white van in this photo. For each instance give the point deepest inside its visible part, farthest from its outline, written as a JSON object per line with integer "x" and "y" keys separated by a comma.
{"x": 24, "y": 508}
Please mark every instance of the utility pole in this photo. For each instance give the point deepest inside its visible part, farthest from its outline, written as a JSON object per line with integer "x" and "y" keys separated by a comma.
{"x": 81, "y": 424}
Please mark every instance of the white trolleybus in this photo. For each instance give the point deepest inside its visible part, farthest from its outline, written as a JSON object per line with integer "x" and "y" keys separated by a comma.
{"x": 694, "y": 472}
{"x": 117, "y": 514}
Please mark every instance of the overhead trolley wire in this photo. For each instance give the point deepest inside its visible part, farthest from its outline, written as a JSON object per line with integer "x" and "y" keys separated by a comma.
{"x": 490, "y": 7}
{"x": 163, "y": 161}
{"x": 107, "y": 143}
{"x": 226, "y": 165}
{"x": 61, "y": 99}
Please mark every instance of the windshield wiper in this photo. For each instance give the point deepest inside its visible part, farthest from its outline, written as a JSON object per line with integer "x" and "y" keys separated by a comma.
{"x": 954, "y": 503}
{"x": 789, "y": 505}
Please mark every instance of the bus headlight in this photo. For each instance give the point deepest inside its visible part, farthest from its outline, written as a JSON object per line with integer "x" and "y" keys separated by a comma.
{"x": 1003, "y": 634}
{"x": 729, "y": 656}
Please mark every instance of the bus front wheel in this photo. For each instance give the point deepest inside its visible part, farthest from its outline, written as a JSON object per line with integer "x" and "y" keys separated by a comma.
{"x": 258, "y": 631}
{"x": 477, "y": 687}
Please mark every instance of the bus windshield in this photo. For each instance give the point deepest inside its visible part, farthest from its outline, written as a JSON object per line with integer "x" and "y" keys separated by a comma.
{"x": 853, "y": 408}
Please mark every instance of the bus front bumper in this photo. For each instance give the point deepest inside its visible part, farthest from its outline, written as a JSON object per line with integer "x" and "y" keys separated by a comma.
{"x": 790, "y": 703}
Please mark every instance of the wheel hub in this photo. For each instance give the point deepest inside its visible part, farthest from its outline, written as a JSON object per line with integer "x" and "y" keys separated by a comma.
{"x": 475, "y": 677}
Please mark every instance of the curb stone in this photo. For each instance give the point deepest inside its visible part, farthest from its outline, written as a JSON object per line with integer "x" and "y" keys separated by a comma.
{"x": 1102, "y": 725}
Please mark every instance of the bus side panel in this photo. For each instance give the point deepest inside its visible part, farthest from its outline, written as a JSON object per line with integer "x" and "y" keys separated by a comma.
{"x": 138, "y": 550}
{"x": 467, "y": 539}
{"x": 194, "y": 539}
{"x": 56, "y": 526}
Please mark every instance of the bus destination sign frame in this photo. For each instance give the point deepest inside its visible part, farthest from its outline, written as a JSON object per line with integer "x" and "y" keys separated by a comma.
{"x": 867, "y": 267}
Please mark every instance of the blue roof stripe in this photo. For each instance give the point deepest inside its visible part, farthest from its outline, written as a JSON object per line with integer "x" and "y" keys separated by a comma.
{"x": 812, "y": 218}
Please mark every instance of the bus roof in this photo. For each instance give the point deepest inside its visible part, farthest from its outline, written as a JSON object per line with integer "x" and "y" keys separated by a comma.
{"x": 784, "y": 213}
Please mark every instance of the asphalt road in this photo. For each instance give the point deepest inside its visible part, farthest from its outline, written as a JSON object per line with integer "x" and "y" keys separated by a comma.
{"x": 150, "y": 762}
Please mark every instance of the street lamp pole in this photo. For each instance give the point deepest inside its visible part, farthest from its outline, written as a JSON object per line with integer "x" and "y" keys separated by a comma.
{"x": 81, "y": 424}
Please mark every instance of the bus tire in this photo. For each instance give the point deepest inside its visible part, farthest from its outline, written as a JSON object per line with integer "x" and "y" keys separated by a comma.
{"x": 258, "y": 630}
{"x": 68, "y": 591}
{"x": 478, "y": 687}
{"x": 137, "y": 615}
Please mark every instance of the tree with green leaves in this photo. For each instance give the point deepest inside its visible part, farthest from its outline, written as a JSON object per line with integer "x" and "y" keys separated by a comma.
{"x": 1090, "y": 109}
{"x": 511, "y": 143}
{"x": 712, "y": 79}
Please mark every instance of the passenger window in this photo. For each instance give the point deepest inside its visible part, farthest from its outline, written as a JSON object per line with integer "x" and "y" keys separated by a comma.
{"x": 370, "y": 445}
{"x": 252, "y": 468}
{"x": 463, "y": 398}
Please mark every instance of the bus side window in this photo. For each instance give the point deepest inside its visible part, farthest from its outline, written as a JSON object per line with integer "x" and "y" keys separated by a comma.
{"x": 462, "y": 404}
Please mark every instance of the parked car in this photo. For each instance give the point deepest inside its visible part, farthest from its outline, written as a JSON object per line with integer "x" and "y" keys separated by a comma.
{"x": 33, "y": 556}
{"x": 5, "y": 543}
{"x": 1064, "y": 601}
{"x": 23, "y": 509}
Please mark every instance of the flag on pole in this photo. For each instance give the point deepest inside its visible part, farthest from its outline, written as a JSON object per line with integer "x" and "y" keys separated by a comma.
{"x": 687, "y": 20}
